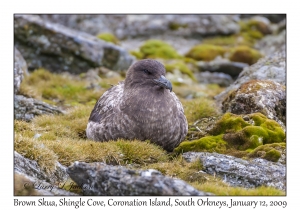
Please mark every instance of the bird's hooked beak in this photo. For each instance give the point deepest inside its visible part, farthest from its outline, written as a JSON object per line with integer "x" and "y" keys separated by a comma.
{"x": 163, "y": 82}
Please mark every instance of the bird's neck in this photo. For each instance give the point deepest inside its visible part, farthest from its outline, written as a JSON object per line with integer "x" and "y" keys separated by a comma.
{"x": 145, "y": 99}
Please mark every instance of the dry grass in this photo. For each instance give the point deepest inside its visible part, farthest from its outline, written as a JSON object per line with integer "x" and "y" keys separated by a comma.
{"x": 35, "y": 150}
{"x": 199, "y": 108}
{"x": 57, "y": 89}
{"x": 51, "y": 138}
{"x": 218, "y": 187}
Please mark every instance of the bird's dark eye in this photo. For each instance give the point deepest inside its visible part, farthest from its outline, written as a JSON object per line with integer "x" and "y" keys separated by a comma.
{"x": 146, "y": 71}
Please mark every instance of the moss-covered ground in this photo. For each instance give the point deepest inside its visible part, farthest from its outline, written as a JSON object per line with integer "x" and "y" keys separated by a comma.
{"x": 51, "y": 138}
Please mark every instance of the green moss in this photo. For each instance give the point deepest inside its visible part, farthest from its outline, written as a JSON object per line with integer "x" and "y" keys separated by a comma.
{"x": 242, "y": 135}
{"x": 182, "y": 67}
{"x": 60, "y": 89}
{"x": 255, "y": 26}
{"x": 271, "y": 152}
{"x": 229, "y": 123}
{"x": 205, "y": 144}
{"x": 274, "y": 130}
{"x": 175, "y": 26}
{"x": 235, "y": 136}
{"x": 221, "y": 40}
{"x": 108, "y": 37}
{"x": 205, "y": 52}
{"x": 156, "y": 49}
{"x": 244, "y": 54}
{"x": 273, "y": 155}
{"x": 137, "y": 54}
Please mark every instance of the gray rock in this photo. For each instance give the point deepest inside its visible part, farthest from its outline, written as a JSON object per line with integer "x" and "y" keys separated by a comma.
{"x": 222, "y": 66}
{"x": 271, "y": 67}
{"x": 45, "y": 184}
{"x": 57, "y": 48}
{"x": 264, "y": 96}
{"x": 274, "y": 18}
{"x": 20, "y": 68}
{"x": 272, "y": 43}
{"x": 224, "y": 80}
{"x": 239, "y": 172}
{"x": 27, "y": 108}
{"x": 127, "y": 26}
{"x": 102, "y": 179}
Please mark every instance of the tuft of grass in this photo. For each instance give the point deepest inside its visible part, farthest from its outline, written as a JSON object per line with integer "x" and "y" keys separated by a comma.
{"x": 35, "y": 150}
{"x": 179, "y": 168}
{"x": 108, "y": 37}
{"x": 199, "y": 108}
{"x": 221, "y": 40}
{"x": 156, "y": 49}
{"x": 60, "y": 89}
{"x": 218, "y": 187}
{"x": 244, "y": 54}
{"x": 141, "y": 152}
{"x": 205, "y": 52}
{"x": 70, "y": 150}
{"x": 63, "y": 138}
{"x": 70, "y": 125}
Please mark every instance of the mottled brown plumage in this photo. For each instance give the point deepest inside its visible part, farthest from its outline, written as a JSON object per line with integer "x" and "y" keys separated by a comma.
{"x": 143, "y": 107}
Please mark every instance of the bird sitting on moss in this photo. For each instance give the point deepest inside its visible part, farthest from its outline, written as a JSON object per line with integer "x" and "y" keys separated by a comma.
{"x": 142, "y": 107}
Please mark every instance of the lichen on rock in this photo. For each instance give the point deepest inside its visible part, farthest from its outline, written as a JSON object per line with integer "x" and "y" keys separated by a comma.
{"x": 264, "y": 96}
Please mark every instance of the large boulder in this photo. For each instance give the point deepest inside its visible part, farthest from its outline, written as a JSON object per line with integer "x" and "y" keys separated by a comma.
{"x": 101, "y": 179}
{"x": 244, "y": 97}
{"x": 58, "y": 48}
{"x": 264, "y": 96}
{"x": 239, "y": 172}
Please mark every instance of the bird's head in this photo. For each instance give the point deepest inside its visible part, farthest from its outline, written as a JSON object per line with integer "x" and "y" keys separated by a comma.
{"x": 147, "y": 72}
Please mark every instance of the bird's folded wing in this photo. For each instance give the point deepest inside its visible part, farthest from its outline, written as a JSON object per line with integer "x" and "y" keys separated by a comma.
{"x": 107, "y": 102}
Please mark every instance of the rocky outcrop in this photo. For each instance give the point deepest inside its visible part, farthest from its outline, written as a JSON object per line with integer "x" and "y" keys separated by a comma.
{"x": 239, "y": 172}
{"x": 264, "y": 96}
{"x": 245, "y": 97}
{"x": 28, "y": 108}
{"x": 29, "y": 175}
{"x": 20, "y": 68}
{"x": 59, "y": 49}
{"x": 102, "y": 179}
{"x": 129, "y": 26}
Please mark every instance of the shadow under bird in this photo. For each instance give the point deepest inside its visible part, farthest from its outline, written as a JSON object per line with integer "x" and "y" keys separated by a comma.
{"x": 142, "y": 107}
